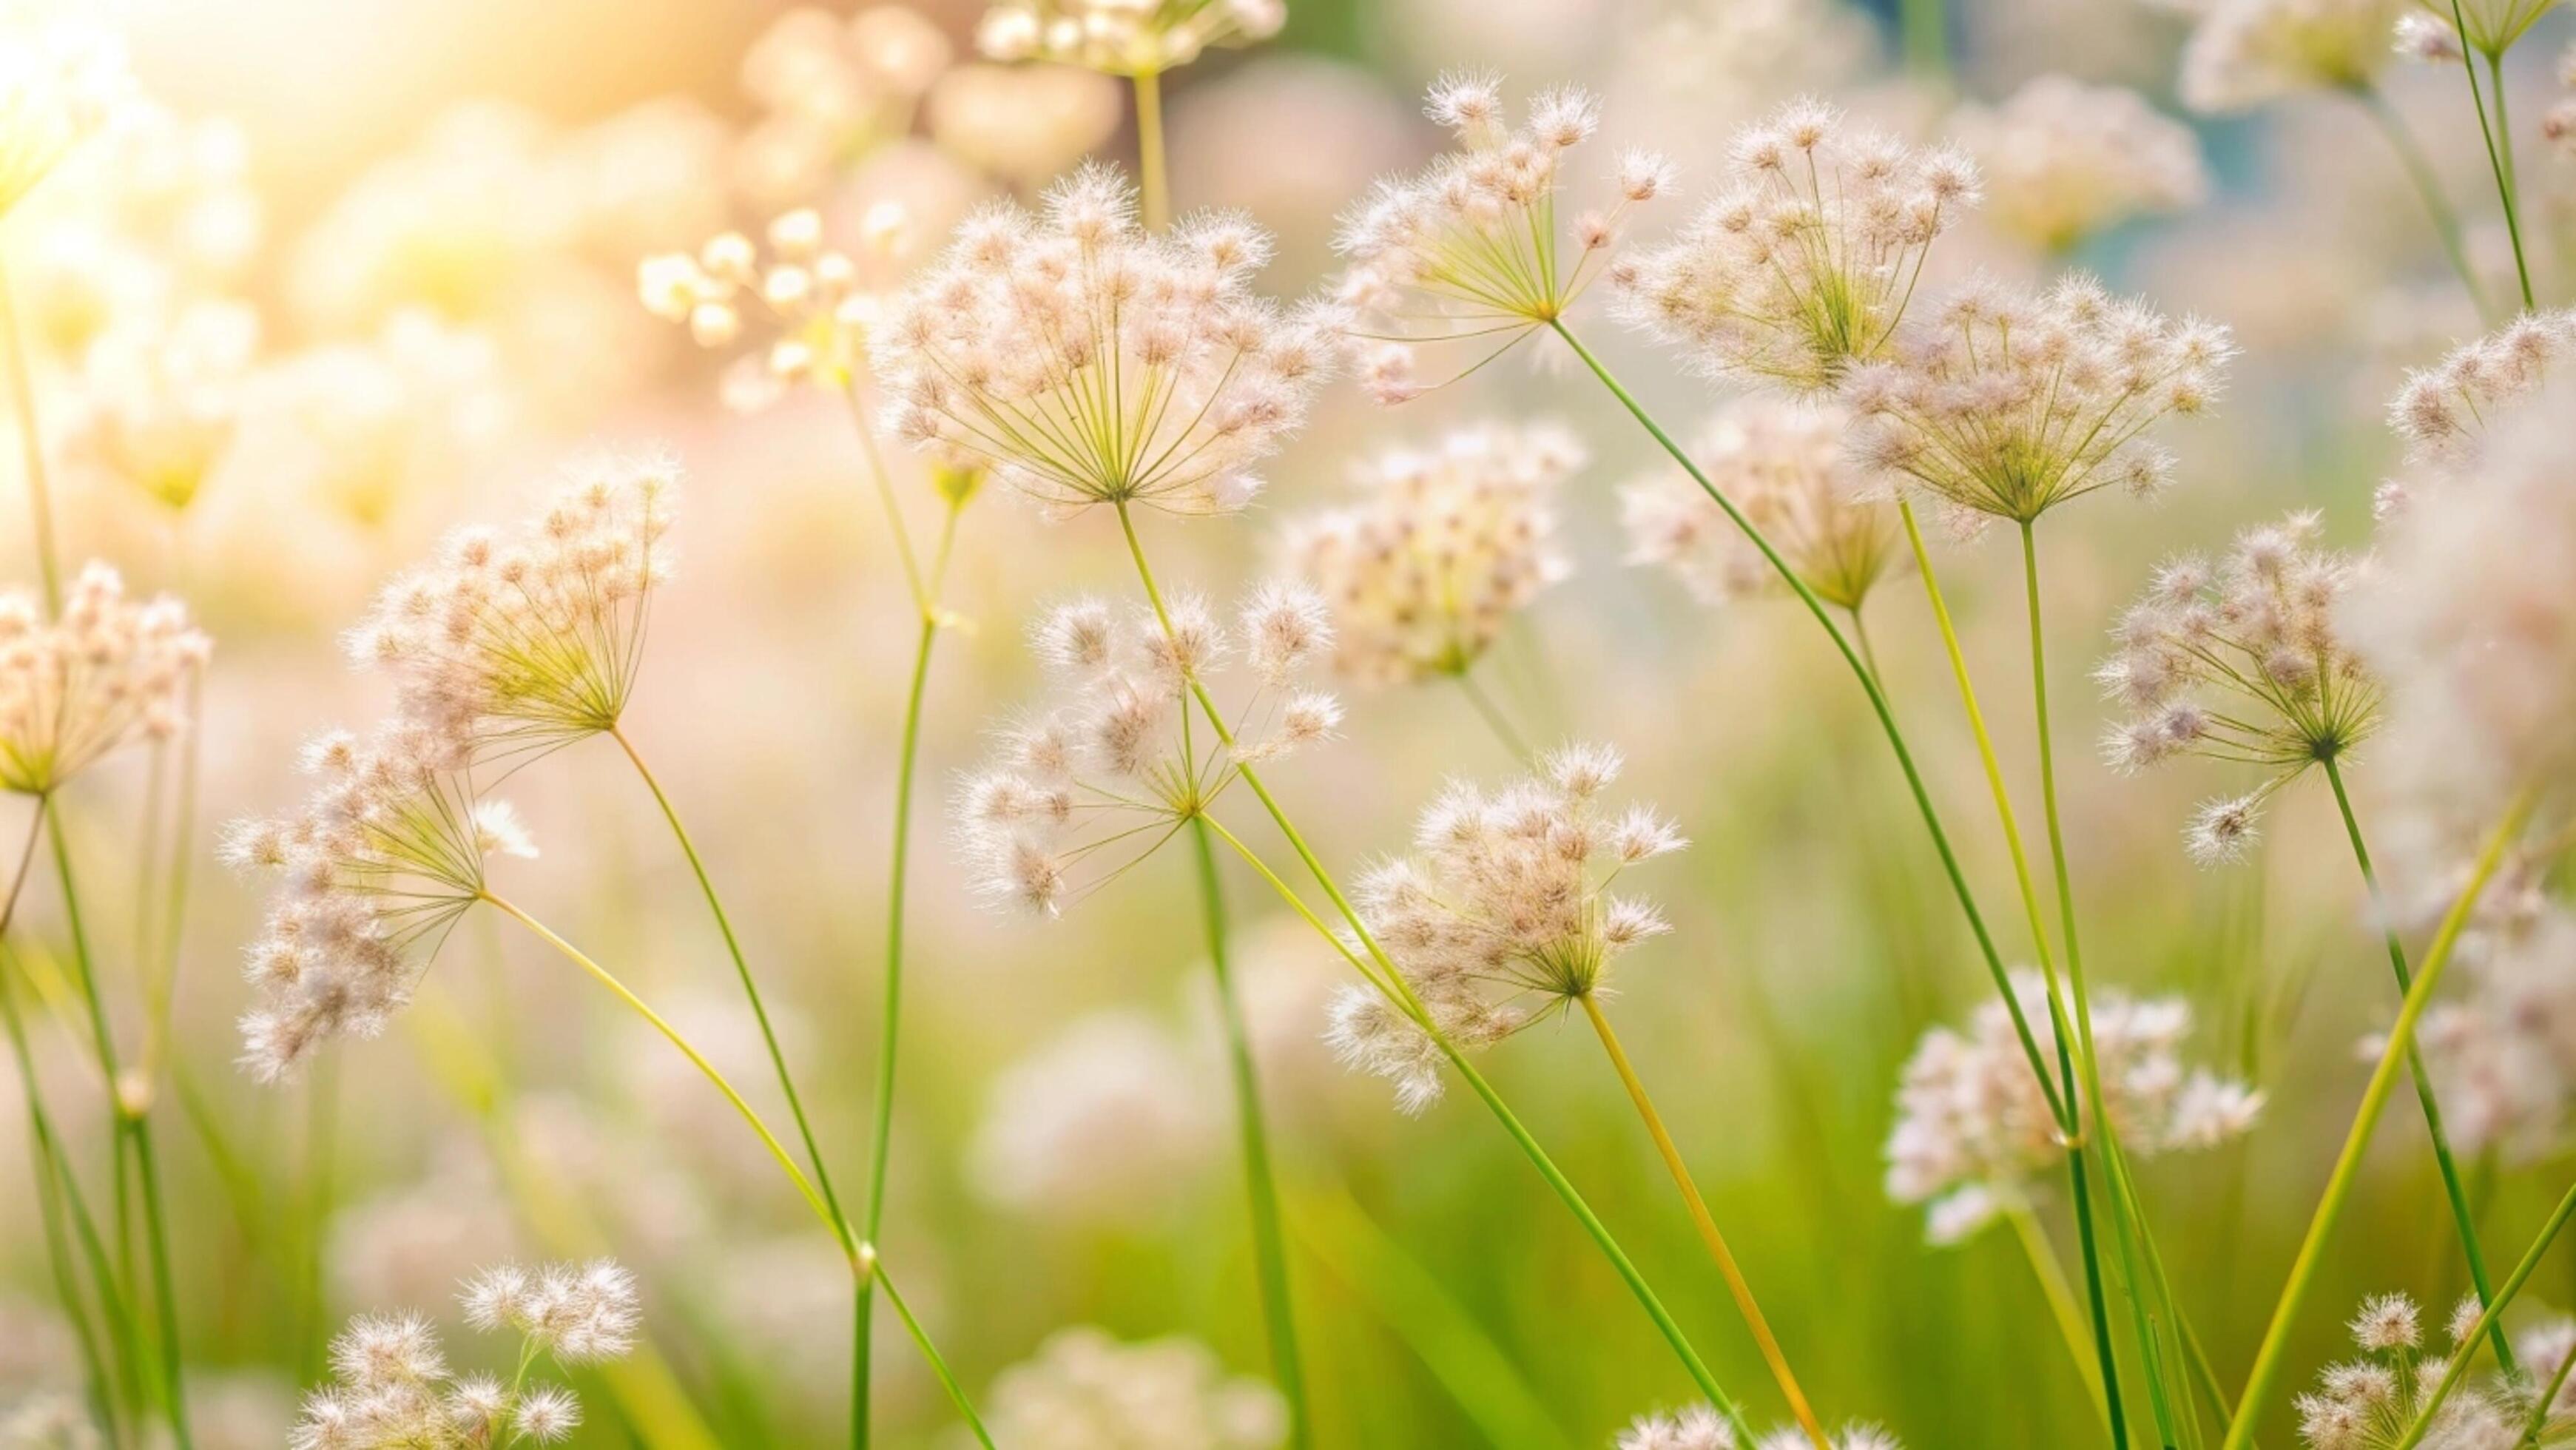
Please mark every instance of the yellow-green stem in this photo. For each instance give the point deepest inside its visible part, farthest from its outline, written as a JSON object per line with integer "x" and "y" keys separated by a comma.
{"x": 874, "y": 1269}
{"x": 2374, "y": 1101}
{"x": 1495, "y": 720}
{"x": 31, "y": 442}
{"x": 2488, "y": 1319}
{"x": 2071, "y": 1323}
{"x": 1727, "y": 1268}
{"x": 1152, "y": 177}
{"x": 2428, "y": 186}
{"x": 2499, "y": 141}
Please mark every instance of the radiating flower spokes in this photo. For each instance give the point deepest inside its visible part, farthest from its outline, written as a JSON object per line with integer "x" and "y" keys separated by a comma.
{"x": 106, "y": 671}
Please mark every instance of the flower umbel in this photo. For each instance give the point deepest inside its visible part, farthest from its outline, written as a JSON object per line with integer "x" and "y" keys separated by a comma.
{"x": 1087, "y": 362}
{"x": 1974, "y": 1135}
{"x": 2443, "y": 412}
{"x": 1446, "y": 545}
{"x": 1123, "y": 37}
{"x": 74, "y": 688}
{"x": 1505, "y": 914}
{"x": 1471, "y": 250}
{"x": 2064, "y": 161}
{"x": 1092, "y": 786}
{"x": 1806, "y": 262}
{"x": 1782, "y": 461}
{"x": 2371, "y": 1402}
{"x": 815, "y": 298}
{"x": 505, "y": 647}
{"x": 2011, "y": 405}
{"x": 2241, "y": 662}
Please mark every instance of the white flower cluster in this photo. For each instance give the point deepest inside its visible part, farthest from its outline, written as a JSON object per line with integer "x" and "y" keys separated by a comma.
{"x": 1124, "y": 37}
{"x": 1084, "y": 1390}
{"x": 2064, "y": 161}
{"x": 1697, "y": 1427}
{"x": 106, "y": 671}
{"x": 2243, "y": 53}
{"x": 815, "y": 298}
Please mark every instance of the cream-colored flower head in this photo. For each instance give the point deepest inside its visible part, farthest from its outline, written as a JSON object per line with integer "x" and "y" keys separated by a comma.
{"x": 2064, "y": 161}
{"x": 2241, "y": 662}
{"x": 160, "y": 405}
{"x": 1806, "y": 260}
{"x": 1085, "y": 362}
{"x": 2373, "y": 1401}
{"x": 2010, "y": 404}
{"x": 1698, "y": 1427}
{"x": 1100, "y": 1126}
{"x": 818, "y": 304}
{"x": 1471, "y": 252}
{"x": 106, "y": 671}
{"x": 1124, "y": 37}
{"x": 507, "y": 646}
{"x": 1974, "y": 1135}
{"x": 829, "y": 89}
{"x": 59, "y": 84}
{"x": 1781, "y": 461}
{"x": 2491, "y": 26}
{"x": 1505, "y": 915}
{"x": 2243, "y": 53}
{"x": 385, "y": 856}
{"x": 2501, "y": 1044}
{"x": 392, "y": 1388}
{"x": 1446, "y": 544}
{"x": 1097, "y": 781}
{"x": 1083, "y": 1390}
{"x": 2443, "y": 412}
{"x": 2559, "y": 126}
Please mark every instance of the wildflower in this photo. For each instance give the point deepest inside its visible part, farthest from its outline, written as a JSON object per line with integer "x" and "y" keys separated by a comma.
{"x": 2064, "y": 161}
{"x": 1447, "y": 544}
{"x": 1472, "y": 249}
{"x": 2241, "y": 662}
{"x": 1782, "y": 462}
{"x": 1124, "y": 37}
{"x": 58, "y": 86}
{"x": 511, "y": 646}
{"x": 2243, "y": 53}
{"x": 363, "y": 427}
{"x": 160, "y": 405}
{"x": 1100, "y": 1125}
{"x": 1024, "y": 123}
{"x": 831, "y": 89}
{"x": 2422, "y": 37}
{"x": 1698, "y": 1427}
{"x": 1508, "y": 901}
{"x": 1086, "y": 362}
{"x": 107, "y": 671}
{"x": 1974, "y": 1135}
{"x": 2489, "y": 26}
{"x": 383, "y": 859}
{"x": 392, "y": 1388}
{"x": 2443, "y": 412}
{"x": 2560, "y": 124}
{"x": 1084, "y": 1389}
{"x": 2012, "y": 405}
{"x": 1805, "y": 262}
{"x": 1080, "y": 793}
{"x": 578, "y": 1313}
{"x": 2500, "y": 1046}
{"x": 2371, "y": 1402}
{"x": 814, "y": 297}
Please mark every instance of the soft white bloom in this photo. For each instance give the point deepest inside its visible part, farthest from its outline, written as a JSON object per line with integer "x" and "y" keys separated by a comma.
{"x": 2443, "y": 412}
{"x": 2243, "y": 53}
{"x": 1107, "y": 1123}
{"x": 1084, "y": 1390}
{"x": 2063, "y": 160}
{"x": 2371, "y": 1402}
{"x": 107, "y": 670}
{"x": 1124, "y": 37}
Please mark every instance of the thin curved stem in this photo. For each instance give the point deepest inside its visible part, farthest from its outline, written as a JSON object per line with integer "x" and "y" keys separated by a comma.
{"x": 2428, "y": 186}
{"x": 2072, "y": 1325}
{"x": 1152, "y": 176}
{"x": 2547, "y": 1400}
{"x": 1495, "y": 720}
{"x": 840, "y": 1230}
{"x": 31, "y": 442}
{"x": 1269, "y": 1246}
{"x": 873, "y": 1267}
{"x": 2488, "y": 1319}
{"x": 2452, "y": 1186}
{"x": 2374, "y": 1101}
{"x": 2499, "y": 148}
{"x": 1706, "y": 1223}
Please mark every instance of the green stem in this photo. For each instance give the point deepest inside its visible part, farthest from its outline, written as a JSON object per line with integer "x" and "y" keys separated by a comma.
{"x": 133, "y": 1133}
{"x": 1270, "y": 1252}
{"x": 1151, "y": 175}
{"x": 1727, "y": 1268}
{"x": 321, "y": 1144}
{"x": 2428, "y": 185}
{"x": 2071, "y": 1322}
{"x": 2269, "y": 1357}
{"x": 2488, "y": 1319}
{"x": 2452, "y": 1186}
{"x": 31, "y": 441}
{"x": 2547, "y": 1401}
{"x": 875, "y": 1270}
{"x": 1495, "y": 720}
{"x": 2499, "y": 158}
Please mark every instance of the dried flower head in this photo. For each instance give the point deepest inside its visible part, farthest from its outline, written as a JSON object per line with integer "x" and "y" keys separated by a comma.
{"x": 1781, "y": 461}
{"x": 106, "y": 671}
{"x": 2243, "y": 53}
{"x": 392, "y": 1388}
{"x": 2241, "y": 662}
{"x": 2371, "y": 1403}
{"x": 2420, "y": 36}
{"x": 510, "y": 646}
{"x": 1084, "y": 1390}
{"x": 1804, "y": 264}
{"x": 383, "y": 859}
{"x": 1505, "y": 914}
{"x": 1471, "y": 250}
{"x": 2014, "y": 404}
{"x": 1698, "y": 1427}
{"x": 1445, "y": 546}
{"x": 1086, "y": 362}
{"x": 2489, "y": 26}
{"x": 1974, "y": 1135}
{"x": 1091, "y": 786}
{"x": 1124, "y": 37}
{"x": 2443, "y": 412}
{"x": 59, "y": 84}
{"x": 1101, "y": 1125}
{"x": 2064, "y": 161}
{"x": 818, "y": 305}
